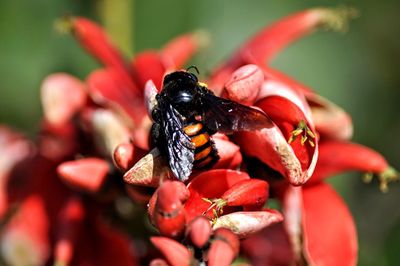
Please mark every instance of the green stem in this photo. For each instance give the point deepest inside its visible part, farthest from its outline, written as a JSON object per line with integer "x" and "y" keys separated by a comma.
{"x": 117, "y": 18}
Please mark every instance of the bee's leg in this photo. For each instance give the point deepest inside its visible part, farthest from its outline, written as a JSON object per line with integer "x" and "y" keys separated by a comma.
{"x": 155, "y": 135}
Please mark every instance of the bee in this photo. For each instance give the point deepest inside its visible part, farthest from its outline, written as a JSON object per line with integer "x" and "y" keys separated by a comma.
{"x": 185, "y": 117}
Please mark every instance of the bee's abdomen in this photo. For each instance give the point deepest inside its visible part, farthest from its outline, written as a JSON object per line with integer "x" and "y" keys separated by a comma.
{"x": 205, "y": 154}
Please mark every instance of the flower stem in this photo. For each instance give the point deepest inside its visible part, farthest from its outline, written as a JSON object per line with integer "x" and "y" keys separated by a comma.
{"x": 117, "y": 17}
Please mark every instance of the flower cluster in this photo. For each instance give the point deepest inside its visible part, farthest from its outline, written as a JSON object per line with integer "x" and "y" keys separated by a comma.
{"x": 77, "y": 194}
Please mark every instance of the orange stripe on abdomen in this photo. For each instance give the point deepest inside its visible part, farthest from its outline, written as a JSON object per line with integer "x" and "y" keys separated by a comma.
{"x": 202, "y": 154}
{"x": 193, "y": 129}
{"x": 205, "y": 155}
{"x": 200, "y": 140}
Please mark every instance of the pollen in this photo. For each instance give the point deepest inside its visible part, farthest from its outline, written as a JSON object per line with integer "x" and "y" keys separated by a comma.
{"x": 306, "y": 134}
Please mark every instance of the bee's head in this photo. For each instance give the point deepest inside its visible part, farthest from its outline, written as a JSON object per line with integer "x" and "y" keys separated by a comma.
{"x": 181, "y": 77}
{"x": 181, "y": 90}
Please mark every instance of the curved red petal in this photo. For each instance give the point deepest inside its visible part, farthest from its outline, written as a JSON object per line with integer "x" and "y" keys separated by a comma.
{"x": 228, "y": 152}
{"x": 108, "y": 87}
{"x": 340, "y": 156}
{"x": 329, "y": 232}
{"x": 112, "y": 247}
{"x": 69, "y": 227}
{"x": 148, "y": 65}
{"x": 246, "y": 223}
{"x": 180, "y": 49}
{"x": 175, "y": 253}
{"x": 330, "y": 120}
{"x": 220, "y": 253}
{"x": 265, "y": 44}
{"x": 247, "y": 192}
{"x": 244, "y": 84}
{"x": 62, "y": 97}
{"x": 94, "y": 39}
{"x": 199, "y": 231}
{"x": 209, "y": 184}
{"x": 124, "y": 156}
{"x": 25, "y": 238}
{"x": 88, "y": 174}
{"x": 270, "y": 247}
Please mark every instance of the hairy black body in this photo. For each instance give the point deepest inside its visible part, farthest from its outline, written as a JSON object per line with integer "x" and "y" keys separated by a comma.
{"x": 187, "y": 114}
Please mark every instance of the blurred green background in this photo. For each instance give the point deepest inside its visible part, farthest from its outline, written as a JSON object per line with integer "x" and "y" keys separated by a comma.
{"x": 358, "y": 70}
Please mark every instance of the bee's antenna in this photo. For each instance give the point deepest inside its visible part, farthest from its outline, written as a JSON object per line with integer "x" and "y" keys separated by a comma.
{"x": 193, "y": 67}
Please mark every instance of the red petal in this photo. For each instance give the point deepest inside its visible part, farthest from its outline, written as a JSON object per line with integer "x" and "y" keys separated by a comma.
{"x": 292, "y": 200}
{"x": 199, "y": 231}
{"x": 158, "y": 262}
{"x": 170, "y": 224}
{"x": 112, "y": 247}
{"x": 168, "y": 213}
{"x": 228, "y": 152}
{"x": 269, "y": 41}
{"x": 58, "y": 142}
{"x": 25, "y": 239}
{"x": 62, "y": 97}
{"x": 273, "y": 74}
{"x": 229, "y": 237}
{"x": 209, "y": 184}
{"x": 330, "y": 120}
{"x": 340, "y": 156}
{"x": 244, "y": 84}
{"x": 92, "y": 37}
{"x": 178, "y": 51}
{"x": 273, "y": 38}
{"x": 124, "y": 156}
{"x": 148, "y": 65}
{"x": 220, "y": 254}
{"x": 247, "y": 192}
{"x": 269, "y": 146}
{"x": 109, "y": 87}
{"x": 244, "y": 224}
{"x": 329, "y": 232}
{"x": 175, "y": 253}
{"x": 69, "y": 228}
{"x": 270, "y": 247}
{"x": 88, "y": 174}
{"x": 171, "y": 194}
{"x": 287, "y": 108}
{"x": 14, "y": 150}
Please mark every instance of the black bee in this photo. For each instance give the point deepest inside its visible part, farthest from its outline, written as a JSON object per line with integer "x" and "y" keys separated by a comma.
{"x": 187, "y": 114}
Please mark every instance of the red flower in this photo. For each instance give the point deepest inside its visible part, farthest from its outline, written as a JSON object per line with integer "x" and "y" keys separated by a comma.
{"x": 95, "y": 135}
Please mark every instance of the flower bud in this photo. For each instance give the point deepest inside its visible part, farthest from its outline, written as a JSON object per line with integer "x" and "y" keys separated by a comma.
{"x": 229, "y": 237}
{"x": 244, "y": 84}
{"x": 220, "y": 253}
{"x": 124, "y": 156}
{"x": 175, "y": 253}
{"x": 246, "y": 192}
{"x": 88, "y": 174}
{"x": 62, "y": 97}
{"x": 199, "y": 231}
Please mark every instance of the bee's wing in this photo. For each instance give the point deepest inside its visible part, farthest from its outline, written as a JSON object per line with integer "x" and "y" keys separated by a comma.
{"x": 226, "y": 116}
{"x": 180, "y": 150}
